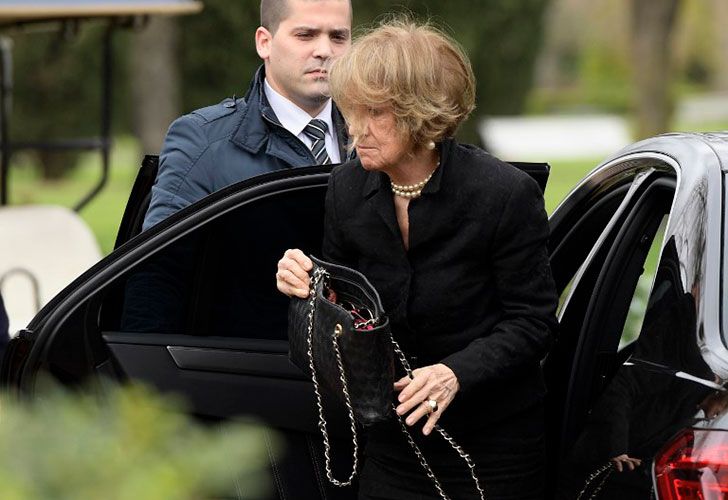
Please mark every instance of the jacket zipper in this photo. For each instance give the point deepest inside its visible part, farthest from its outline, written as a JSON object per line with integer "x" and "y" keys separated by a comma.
{"x": 273, "y": 122}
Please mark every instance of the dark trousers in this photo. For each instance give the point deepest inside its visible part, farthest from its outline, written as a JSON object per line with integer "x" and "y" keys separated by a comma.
{"x": 509, "y": 459}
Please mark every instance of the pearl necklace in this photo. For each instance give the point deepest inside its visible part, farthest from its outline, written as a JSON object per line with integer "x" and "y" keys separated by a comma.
{"x": 412, "y": 190}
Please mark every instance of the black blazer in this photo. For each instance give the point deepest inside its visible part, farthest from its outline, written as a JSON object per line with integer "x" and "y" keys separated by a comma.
{"x": 474, "y": 291}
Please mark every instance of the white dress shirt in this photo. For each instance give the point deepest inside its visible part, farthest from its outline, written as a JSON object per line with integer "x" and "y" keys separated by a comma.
{"x": 294, "y": 119}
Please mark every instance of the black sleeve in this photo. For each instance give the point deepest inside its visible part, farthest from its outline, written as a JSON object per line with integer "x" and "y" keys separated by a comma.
{"x": 334, "y": 248}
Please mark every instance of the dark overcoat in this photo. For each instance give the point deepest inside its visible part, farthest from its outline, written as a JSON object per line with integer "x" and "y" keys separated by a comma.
{"x": 216, "y": 146}
{"x": 473, "y": 291}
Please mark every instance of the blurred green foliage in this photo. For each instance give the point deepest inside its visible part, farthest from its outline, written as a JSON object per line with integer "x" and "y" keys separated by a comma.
{"x": 57, "y": 89}
{"x": 601, "y": 82}
{"x": 129, "y": 444}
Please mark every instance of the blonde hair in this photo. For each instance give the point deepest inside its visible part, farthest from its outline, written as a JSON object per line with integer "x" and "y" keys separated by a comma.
{"x": 422, "y": 73}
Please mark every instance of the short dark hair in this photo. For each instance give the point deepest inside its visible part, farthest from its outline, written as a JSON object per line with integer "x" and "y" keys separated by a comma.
{"x": 272, "y": 12}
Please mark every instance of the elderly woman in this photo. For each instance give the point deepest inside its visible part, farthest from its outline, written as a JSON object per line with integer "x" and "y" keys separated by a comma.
{"x": 455, "y": 242}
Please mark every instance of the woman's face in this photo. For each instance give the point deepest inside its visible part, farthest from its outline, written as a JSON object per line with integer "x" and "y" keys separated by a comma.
{"x": 380, "y": 145}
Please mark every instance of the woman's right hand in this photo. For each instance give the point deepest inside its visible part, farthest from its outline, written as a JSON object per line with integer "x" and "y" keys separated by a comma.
{"x": 292, "y": 276}
{"x": 624, "y": 461}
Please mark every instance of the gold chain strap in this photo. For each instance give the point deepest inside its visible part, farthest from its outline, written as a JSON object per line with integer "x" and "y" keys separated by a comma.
{"x": 460, "y": 451}
{"x": 604, "y": 472}
{"x": 318, "y": 275}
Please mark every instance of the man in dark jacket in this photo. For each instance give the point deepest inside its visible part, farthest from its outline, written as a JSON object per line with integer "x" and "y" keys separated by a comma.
{"x": 285, "y": 120}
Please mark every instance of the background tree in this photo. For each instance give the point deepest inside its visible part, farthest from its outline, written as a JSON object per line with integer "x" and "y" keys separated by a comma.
{"x": 652, "y": 23}
{"x": 720, "y": 21}
{"x": 56, "y": 91}
{"x": 154, "y": 79}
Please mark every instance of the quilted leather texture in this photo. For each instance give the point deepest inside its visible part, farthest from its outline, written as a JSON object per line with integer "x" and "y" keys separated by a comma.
{"x": 368, "y": 356}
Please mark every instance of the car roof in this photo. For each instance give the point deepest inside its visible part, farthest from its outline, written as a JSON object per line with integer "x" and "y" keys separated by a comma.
{"x": 683, "y": 146}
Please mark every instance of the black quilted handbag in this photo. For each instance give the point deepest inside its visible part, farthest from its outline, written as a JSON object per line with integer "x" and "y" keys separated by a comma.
{"x": 341, "y": 338}
{"x": 350, "y": 352}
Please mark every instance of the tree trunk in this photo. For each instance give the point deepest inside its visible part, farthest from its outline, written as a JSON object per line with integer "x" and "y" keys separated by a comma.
{"x": 155, "y": 83}
{"x": 720, "y": 18}
{"x": 652, "y": 26}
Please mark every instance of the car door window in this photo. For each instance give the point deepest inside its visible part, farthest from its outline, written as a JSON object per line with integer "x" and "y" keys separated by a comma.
{"x": 210, "y": 272}
{"x": 584, "y": 238}
{"x": 599, "y": 305}
{"x": 219, "y": 279}
{"x": 624, "y": 399}
{"x": 638, "y": 304}
{"x": 582, "y": 232}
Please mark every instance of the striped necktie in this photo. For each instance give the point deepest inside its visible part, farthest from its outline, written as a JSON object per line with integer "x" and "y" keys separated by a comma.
{"x": 316, "y": 131}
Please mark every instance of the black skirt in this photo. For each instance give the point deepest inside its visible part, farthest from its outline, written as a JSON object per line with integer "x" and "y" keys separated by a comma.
{"x": 509, "y": 459}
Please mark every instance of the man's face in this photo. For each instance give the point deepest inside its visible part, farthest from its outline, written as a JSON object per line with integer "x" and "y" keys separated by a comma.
{"x": 298, "y": 55}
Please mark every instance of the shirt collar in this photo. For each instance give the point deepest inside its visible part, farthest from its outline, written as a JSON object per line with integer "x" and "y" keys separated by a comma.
{"x": 293, "y": 118}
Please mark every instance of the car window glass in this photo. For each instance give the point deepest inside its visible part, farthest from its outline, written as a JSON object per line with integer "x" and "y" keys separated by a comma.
{"x": 219, "y": 279}
{"x": 564, "y": 294}
{"x": 581, "y": 232}
{"x": 638, "y": 305}
{"x": 642, "y": 404}
{"x": 594, "y": 318}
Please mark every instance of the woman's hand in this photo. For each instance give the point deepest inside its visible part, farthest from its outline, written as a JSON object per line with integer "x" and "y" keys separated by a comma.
{"x": 292, "y": 276}
{"x": 714, "y": 404}
{"x": 625, "y": 460}
{"x": 436, "y": 383}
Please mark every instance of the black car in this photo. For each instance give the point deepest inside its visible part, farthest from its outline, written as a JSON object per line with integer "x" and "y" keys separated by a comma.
{"x": 637, "y": 250}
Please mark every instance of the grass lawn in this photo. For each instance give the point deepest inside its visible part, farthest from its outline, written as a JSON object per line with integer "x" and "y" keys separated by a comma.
{"x": 104, "y": 213}
{"x": 565, "y": 174}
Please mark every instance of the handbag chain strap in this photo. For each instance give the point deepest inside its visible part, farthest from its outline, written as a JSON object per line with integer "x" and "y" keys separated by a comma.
{"x": 604, "y": 472}
{"x": 462, "y": 453}
{"x": 318, "y": 275}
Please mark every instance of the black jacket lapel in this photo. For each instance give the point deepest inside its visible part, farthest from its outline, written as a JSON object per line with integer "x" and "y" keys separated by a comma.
{"x": 379, "y": 199}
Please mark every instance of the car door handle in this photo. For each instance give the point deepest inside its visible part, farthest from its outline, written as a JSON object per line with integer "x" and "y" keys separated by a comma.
{"x": 262, "y": 364}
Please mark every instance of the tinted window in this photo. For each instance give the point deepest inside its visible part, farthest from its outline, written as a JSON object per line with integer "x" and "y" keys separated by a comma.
{"x": 219, "y": 280}
{"x": 634, "y": 402}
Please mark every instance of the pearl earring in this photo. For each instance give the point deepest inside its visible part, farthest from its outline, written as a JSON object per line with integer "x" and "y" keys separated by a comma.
{"x": 430, "y": 145}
